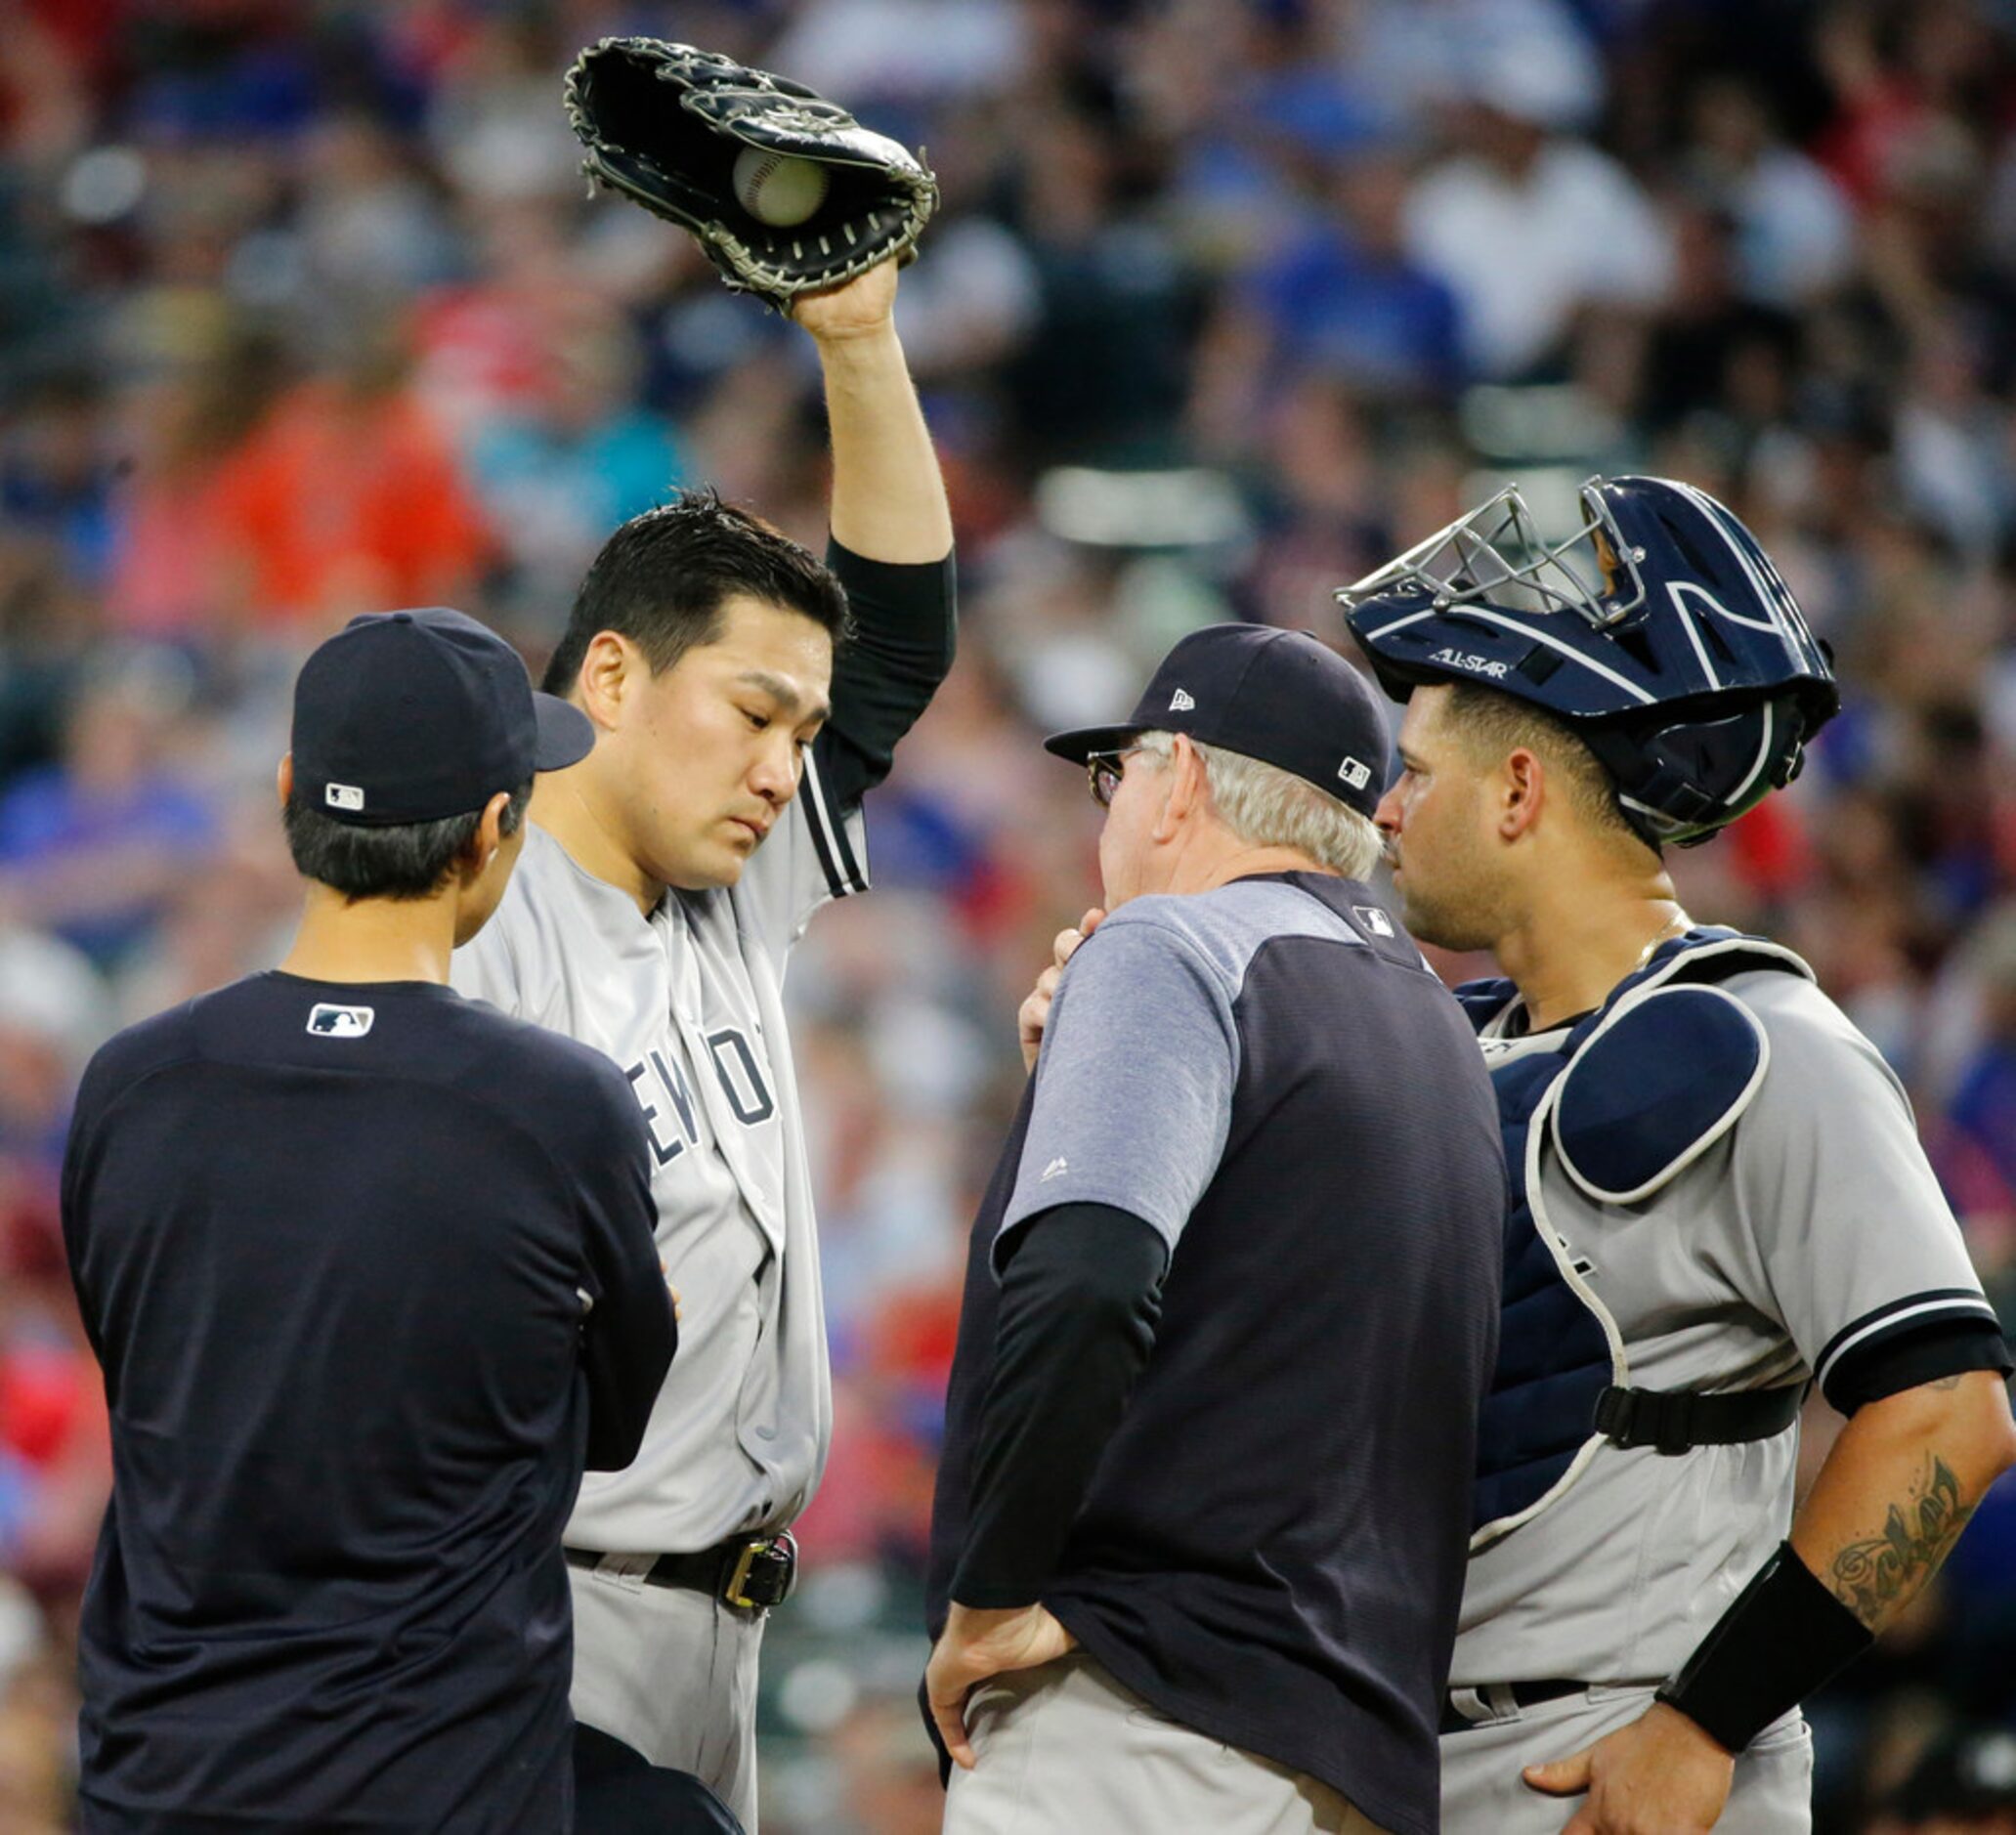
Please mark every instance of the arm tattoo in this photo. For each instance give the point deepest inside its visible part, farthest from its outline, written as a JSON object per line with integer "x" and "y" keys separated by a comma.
{"x": 1875, "y": 1577}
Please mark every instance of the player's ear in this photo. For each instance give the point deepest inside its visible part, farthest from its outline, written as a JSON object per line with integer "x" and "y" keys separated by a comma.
{"x": 610, "y": 670}
{"x": 1186, "y": 790}
{"x": 488, "y": 839}
{"x": 1522, "y": 791}
{"x": 284, "y": 778}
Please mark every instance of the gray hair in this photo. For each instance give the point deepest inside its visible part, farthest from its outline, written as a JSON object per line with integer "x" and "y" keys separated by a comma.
{"x": 1265, "y": 806}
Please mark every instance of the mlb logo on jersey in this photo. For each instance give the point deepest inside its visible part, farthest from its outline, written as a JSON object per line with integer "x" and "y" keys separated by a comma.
{"x": 1374, "y": 920}
{"x": 340, "y": 1022}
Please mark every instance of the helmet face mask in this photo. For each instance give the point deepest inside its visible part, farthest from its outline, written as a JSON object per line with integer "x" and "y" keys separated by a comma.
{"x": 1657, "y": 631}
{"x": 1496, "y": 555}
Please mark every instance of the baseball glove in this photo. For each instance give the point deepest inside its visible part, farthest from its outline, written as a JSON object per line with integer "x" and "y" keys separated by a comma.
{"x": 664, "y": 123}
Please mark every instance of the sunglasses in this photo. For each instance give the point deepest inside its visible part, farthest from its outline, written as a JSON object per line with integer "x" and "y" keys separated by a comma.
{"x": 1104, "y": 770}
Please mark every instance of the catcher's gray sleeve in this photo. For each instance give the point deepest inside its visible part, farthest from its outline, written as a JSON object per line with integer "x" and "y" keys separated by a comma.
{"x": 1133, "y": 1087}
{"x": 1849, "y": 1237}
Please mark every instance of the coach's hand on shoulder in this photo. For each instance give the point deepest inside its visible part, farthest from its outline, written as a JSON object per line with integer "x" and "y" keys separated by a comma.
{"x": 1034, "y": 1013}
{"x": 976, "y": 1645}
{"x": 857, "y": 308}
{"x": 1660, "y": 1775}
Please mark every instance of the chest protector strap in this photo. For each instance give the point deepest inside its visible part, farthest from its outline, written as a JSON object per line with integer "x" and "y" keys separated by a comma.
{"x": 1675, "y": 1421}
{"x": 1636, "y": 1094}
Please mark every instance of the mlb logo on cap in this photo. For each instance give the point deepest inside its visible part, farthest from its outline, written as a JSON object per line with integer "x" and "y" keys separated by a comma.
{"x": 1356, "y": 773}
{"x": 343, "y": 796}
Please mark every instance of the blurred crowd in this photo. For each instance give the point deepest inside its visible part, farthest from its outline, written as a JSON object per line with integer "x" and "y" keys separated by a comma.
{"x": 304, "y": 311}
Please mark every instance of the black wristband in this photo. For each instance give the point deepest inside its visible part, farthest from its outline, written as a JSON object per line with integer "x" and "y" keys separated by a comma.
{"x": 1784, "y": 1637}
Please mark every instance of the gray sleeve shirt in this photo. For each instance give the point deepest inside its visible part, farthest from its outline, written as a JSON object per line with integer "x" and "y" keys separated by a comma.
{"x": 1841, "y": 1232}
{"x": 1133, "y": 1088}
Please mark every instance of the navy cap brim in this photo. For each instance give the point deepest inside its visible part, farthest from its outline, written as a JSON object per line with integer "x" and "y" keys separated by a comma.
{"x": 566, "y": 735}
{"x": 1082, "y": 741}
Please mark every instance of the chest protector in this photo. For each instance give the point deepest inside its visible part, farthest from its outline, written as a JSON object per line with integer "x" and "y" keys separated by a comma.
{"x": 1622, "y": 1102}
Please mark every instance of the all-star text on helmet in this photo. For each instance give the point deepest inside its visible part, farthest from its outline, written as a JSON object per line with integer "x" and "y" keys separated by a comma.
{"x": 1658, "y": 631}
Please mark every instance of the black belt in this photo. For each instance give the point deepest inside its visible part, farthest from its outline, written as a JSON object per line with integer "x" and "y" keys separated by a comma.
{"x": 1505, "y": 1697}
{"x": 1675, "y": 1421}
{"x": 751, "y": 1572}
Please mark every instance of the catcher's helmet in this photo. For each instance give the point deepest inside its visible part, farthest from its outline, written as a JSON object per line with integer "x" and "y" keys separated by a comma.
{"x": 1660, "y": 631}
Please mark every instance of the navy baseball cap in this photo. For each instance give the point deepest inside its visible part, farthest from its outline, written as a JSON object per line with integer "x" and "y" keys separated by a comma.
{"x": 1280, "y": 697}
{"x": 414, "y": 716}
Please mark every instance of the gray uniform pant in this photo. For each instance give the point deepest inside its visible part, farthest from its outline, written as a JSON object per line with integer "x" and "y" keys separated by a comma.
{"x": 1484, "y": 1794}
{"x": 1065, "y": 1750}
{"x": 673, "y": 1674}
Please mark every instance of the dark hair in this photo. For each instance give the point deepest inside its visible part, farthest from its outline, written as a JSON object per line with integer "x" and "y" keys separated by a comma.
{"x": 661, "y": 579}
{"x": 1493, "y": 723}
{"x": 401, "y": 860}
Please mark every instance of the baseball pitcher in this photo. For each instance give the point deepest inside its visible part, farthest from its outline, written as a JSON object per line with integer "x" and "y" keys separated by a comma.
{"x": 744, "y": 696}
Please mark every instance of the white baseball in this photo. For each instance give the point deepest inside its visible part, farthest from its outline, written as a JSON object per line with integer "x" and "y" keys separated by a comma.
{"x": 776, "y": 188}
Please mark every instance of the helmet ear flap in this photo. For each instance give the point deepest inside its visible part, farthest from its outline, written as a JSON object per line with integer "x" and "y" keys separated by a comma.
{"x": 1681, "y": 780}
{"x": 1655, "y": 793}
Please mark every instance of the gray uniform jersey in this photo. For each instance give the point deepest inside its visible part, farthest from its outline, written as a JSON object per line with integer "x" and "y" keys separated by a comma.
{"x": 1811, "y": 1228}
{"x": 689, "y": 1003}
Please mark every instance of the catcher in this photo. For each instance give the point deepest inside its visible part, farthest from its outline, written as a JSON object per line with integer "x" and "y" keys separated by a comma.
{"x": 1718, "y": 1195}
{"x": 666, "y": 876}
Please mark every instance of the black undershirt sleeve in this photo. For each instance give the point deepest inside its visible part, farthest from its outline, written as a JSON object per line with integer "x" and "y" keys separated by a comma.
{"x": 905, "y": 626}
{"x": 1080, "y": 1301}
{"x": 1945, "y": 1348}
